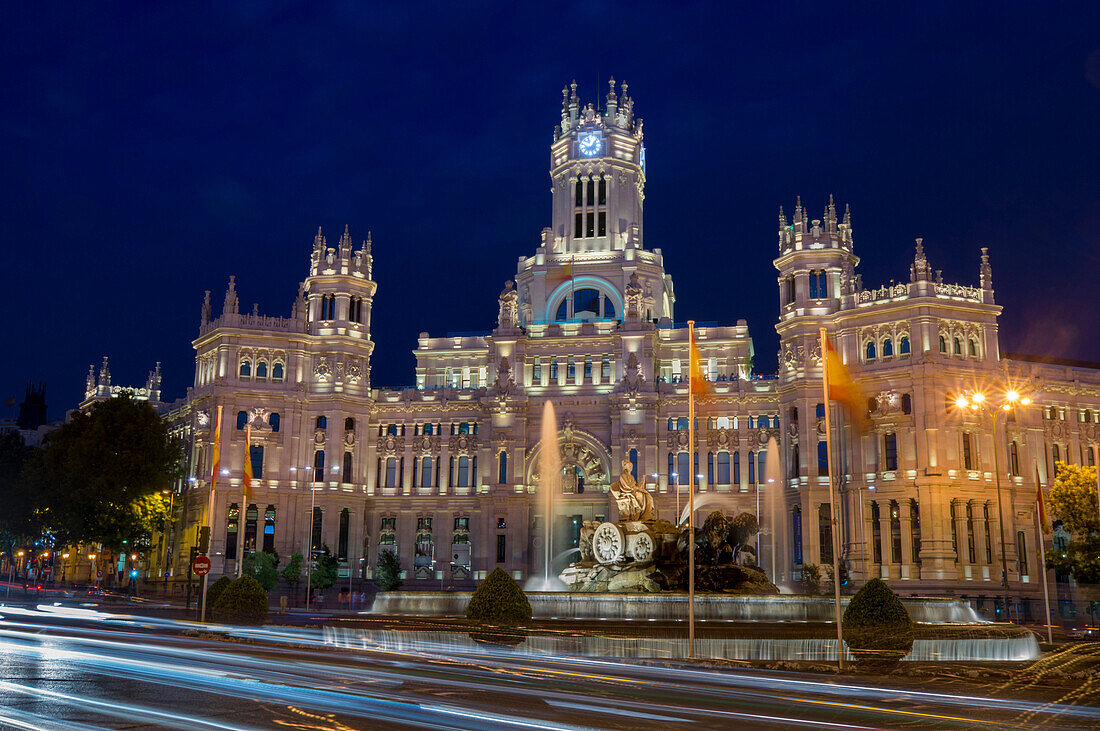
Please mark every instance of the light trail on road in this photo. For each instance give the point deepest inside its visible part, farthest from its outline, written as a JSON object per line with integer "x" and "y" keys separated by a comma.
{"x": 80, "y": 668}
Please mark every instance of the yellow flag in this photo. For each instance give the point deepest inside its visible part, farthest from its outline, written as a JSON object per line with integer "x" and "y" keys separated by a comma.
{"x": 217, "y": 449}
{"x": 842, "y": 388}
{"x": 697, "y": 382}
{"x": 247, "y": 464}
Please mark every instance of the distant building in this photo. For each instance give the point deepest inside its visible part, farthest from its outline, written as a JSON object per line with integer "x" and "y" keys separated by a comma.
{"x": 102, "y": 389}
{"x": 32, "y": 423}
{"x": 445, "y": 472}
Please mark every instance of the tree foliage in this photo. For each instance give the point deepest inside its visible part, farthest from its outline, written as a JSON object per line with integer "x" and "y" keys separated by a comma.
{"x": 877, "y": 626}
{"x": 292, "y": 572}
{"x": 387, "y": 574}
{"x": 214, "y": 592}
{"x": 324, "y": 569}
{"x": 244, "y": 601}
{"x": 499, "y": 600}
{"x": 263, "y": 566}
{"x": 100, "y": 474}
{"x": 1073, "y": 501}
{"x": 20, "y": 518}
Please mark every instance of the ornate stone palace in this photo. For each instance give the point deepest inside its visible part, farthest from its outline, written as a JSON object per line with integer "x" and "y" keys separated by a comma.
{"x": 445, "y": 473}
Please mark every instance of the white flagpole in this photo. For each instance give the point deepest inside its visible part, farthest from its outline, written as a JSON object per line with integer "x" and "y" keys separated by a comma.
{"x": 832, "y": 500}
{"x": 691, "y": 495}
{"x": 242, "y": 515}
{"x": 1041, "y": 525}
{"x": 210, "y": 509}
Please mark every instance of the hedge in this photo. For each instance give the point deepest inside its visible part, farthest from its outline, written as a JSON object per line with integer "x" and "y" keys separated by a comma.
{"x": 876, "y": 625}
{"x": 499, "y": 600}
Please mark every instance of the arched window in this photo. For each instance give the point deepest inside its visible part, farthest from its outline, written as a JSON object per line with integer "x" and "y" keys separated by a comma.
{"x": 322, "y": 422}
{"x": 608, "y": 309}
{"x": 242, "y": 420}
{"x": 958, "y": 347}
{"x": 906, "y": 403}
{"x": 943, "y": 344}
{"x": 887, "y": 348}
{"x": 671, "y": 424}
{"x": 761, "y": 471}
{"x": 261, "y": 369}
{"x": 682, "y": 424}
{"x": 349, "y": 424}
{"x": 634, "y": 463}
{"x": 273, "y": 421}
{"x": 319, "y": 465}
{"x": 277, "y": 371}
{"x": 870, "y": 351}
{"x": 973, "y": 348}
{"x": 463, "y": 471}
{"x": 723, "y": 468}
{"x": 269, "y": 529}
{"x": 391, "y": 472}
{"x": 502, "y": 468}
{"x": 246, "y": 369}
{"x": 903, "y": 345}
{"x": 347, "y": 468}
{"x": 683, "y": 467}
{"x": 426, "y": 466}
{"x": 563, "y": 312}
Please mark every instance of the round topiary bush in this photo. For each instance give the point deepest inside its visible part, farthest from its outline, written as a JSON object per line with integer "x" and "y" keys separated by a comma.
{"x": 244, "y": 601}
{"x": 499, "y": 600}
{"x": 215, "y": 590}
{"x": 877, "y": 627}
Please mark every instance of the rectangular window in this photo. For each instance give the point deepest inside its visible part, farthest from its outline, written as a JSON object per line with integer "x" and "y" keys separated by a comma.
{"x": 342, "y": 539}
{"x": 825, "y": 533}
{"x": 463, "y": 471}
{"x": 605, "y": 369}
{"x": 752, "y": 468}
{"x": 269, "y": 529}
{"x": 232, "y": 524}
{"x": 578, "y": 224}
{"x": 968, "y": 458}
{"x": 502, "y": 541}
{"x": 256, "y": 456}
{"x": 876, "y": 534}
{"x": 914, "y": 530}
{"x": 571, "y": 369}
{"x": 536, "y": 371}
{"x": 796, "y": 534}
{"x": 603, "y": 192}
{"x": 988, "y": 534}
{"x": 590, "y": 230}
{"x": 588, "y": 367}
{"x": 822, "y": 458}
{"x": 1021, "y": 553}
{"x": 683, "y": 470}
{"x": 579, "y": 199}
{"x": 890, "y": 440}
{"x": 895, "y": 533}
{"x": 426, "y": 472}
{"x": 553, "y": 369}
{"x": 347, "y": 472}
{"x": 391, "y": 472}
{"x": 723, "y": 468}
{"x": 602, "y": 229}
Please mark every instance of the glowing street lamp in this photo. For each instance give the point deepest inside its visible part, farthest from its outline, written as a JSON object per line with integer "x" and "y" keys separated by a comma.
{"x": 976, "y": 401}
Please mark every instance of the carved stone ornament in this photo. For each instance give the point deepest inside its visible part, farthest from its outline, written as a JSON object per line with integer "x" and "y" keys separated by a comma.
{"x": 319, "y": 437}
{"x": 257, "y": 417}
{"x": 634, "y": 295}
{"x": 721, "y": 438}
{"x": 349, "y": 438}
{"x": 886, "y": 403}
{"x": 462, "y": 443}
{"x": 633, "y": 378}
{"x": 391, "y": 445}
{"x": 354, "y": 371}
{"x": 322, "y": 370}
{"x": 339, "y": 370}
{"x": 202, "y": 418}
{"x": 427, "y": 444}
{"x": 508, "y": 315}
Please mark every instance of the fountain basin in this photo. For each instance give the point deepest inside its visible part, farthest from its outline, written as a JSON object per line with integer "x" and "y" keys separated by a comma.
{"x": 666, "y": 606}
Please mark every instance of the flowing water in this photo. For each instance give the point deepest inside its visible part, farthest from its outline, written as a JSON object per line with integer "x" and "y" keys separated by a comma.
{"x": 775, "y": 541}
{"x": 549, "y": 484}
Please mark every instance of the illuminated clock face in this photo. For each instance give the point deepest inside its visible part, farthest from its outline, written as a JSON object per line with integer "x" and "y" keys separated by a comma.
{"x": 590, "y": 144}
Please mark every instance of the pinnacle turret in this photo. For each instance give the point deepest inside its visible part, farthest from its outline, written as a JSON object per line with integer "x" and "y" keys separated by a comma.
{"x": 986, "y": 270}
{"x": 231, "y": 304}
{"x": 920, "y": 270}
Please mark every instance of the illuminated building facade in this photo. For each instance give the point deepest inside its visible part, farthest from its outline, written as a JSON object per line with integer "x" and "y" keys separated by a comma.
{"x": 445, "y": 472}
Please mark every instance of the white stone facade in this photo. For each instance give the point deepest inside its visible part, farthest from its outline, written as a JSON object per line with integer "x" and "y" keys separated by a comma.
{"x": 445, "y": 472}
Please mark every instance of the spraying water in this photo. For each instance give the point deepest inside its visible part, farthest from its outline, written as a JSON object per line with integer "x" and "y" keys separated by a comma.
{"x": 775, "y": 545}
{"x": 549, "y": 484}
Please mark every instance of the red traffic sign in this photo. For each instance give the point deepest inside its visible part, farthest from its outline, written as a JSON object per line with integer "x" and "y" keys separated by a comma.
{"x": 201, "y": 565}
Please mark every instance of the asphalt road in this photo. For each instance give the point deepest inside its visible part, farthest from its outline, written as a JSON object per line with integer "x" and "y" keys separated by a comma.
{"x": 73, "y": 668}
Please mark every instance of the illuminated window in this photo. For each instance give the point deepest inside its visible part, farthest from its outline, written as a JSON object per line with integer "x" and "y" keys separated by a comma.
{"x": 890, "y": 442}
{"x": 903, "y": 345}
{"x": 870, "y": 350}
{"x": 256, "y": 457}
{"x": 347, "y": 475}
{"x": 261, "y": 369}
{"x": 269, "y": 529}
{"x": 723, "y": 468}
{"x": 242, "y": 420}
{"x": 943, "y": 344}
{"x": 958, "y": 347}
{"x": 246, "y": 369}
{"x": 322, "y": 422}
{"x": 973, "y": 347}
{"x": 887, "y": 348}
{"x": 277, "y": 371}
{"x": 319, "y": 465}
{"x": 273, "y": 421}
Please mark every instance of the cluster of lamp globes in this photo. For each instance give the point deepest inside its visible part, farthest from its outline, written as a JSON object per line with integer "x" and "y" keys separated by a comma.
{"x": 974, "y": 401}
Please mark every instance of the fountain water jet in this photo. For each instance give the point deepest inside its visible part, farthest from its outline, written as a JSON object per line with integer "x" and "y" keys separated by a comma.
{"x": 549, "y": 483}
{"x": 773, "y": 523}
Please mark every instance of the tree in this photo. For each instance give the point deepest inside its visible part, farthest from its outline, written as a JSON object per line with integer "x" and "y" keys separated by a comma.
{"x": 1073, "y": 502}
{"x": 324, "y": 570}
{"x": 243, "y": 601}
{"x": 292, "y": 572}
{"x": 499, "y": 600}
{"x": 876, "y": 625}
{"x": 102, "y": 474}
{"x": 263, "y": 566}
{"x": 20, "y": 519}
{"x": 387, "y": 574}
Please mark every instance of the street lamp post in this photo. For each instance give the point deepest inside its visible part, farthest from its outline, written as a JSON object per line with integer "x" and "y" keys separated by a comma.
{"x": 977, "y": 402}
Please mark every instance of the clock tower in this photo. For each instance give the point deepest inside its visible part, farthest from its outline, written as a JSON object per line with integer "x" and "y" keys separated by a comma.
{"x": 597, "y": 165}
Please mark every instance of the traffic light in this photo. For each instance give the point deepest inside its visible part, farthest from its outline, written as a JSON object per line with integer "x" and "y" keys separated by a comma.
{"x": 204, "y": 539}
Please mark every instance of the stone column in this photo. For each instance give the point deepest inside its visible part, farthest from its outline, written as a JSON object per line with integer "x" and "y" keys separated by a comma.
{"x": 963, "y": 557}
{"x": 908, "y": 570}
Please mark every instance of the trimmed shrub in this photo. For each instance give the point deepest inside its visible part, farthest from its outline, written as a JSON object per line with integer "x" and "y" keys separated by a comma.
{"x": 244, "y": 601}
{"x": 877, "y": 627}
{"x": 387, "y": 572}
{"x": 499, "y": 600}
{"x": 215, "y": 590}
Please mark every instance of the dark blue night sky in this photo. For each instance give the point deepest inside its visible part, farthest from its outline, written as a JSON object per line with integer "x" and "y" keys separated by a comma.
{"x": 149, "y": 154}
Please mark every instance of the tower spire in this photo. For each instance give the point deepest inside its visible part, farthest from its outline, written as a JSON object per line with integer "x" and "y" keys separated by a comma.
{"x": 229, "y": 307}
{"x": 986, "y": 270}
{"x": 920, "y": 270}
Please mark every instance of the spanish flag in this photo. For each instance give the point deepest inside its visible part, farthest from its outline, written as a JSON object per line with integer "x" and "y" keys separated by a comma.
{"x": 562, "y": 273}
{"x": 842, "y": 389}
{"x": 247, "y": 482}
{"x": 1041, "y": 515}
{"x": 697, "y": 382}
{"x": 216, "y": 457}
